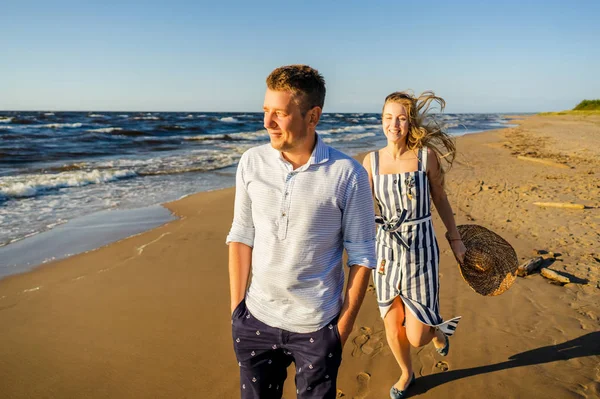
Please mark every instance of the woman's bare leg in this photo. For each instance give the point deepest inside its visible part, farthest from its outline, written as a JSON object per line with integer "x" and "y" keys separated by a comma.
{"x": 419, "y": 334}
{"x": 398, "y": 342}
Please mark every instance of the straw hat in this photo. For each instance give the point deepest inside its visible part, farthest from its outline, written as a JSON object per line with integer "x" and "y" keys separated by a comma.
{"x": 490, "y": 263}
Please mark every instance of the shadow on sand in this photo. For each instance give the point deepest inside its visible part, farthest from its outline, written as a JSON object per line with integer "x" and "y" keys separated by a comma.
{"x": 586, "y": 345}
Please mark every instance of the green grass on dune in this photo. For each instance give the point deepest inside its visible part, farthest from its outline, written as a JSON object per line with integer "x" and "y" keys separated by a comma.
{"x": 586, "y": 107}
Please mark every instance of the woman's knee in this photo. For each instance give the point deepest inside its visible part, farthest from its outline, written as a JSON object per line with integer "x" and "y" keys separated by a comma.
{"x": 418, "y": 337}
{"x": 394, "y": 320}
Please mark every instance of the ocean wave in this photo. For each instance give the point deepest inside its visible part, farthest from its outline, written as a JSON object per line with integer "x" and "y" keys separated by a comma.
{"x": 96, "y": 116}
{"x": 5, "y": 127}
{"x": 229, "y": 119}
{"x": 125, "y": 132}
{"x": 23, "y": 186}
{"x": 347, "y": 137}
{"x": 6, "y": 119}
{"x": 349, "y": 129}
{"x": 22, "y": 121}
{"x": 67, "y": 167}
{"x": 59, "y": 125}
{"x": 106, "y": 130}
{"x": 212, "y": 137}
{"x": 251, "y": 136}
{"x": 197, "y": 161}
{"x": 49, "y": 113}
{"x": 171, "y": 128}
{"x": 148, "y": 118}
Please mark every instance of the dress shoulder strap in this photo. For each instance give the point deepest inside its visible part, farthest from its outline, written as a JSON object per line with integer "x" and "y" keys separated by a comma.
{"x": 375, "y": 163}
{"x": 423, "y": 151}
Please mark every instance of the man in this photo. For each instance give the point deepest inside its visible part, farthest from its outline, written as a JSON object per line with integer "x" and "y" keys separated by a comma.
{"x": 298, "y": 204}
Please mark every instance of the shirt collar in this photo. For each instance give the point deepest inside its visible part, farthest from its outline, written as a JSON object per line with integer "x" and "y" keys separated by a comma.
{"x": 319, "y": 155}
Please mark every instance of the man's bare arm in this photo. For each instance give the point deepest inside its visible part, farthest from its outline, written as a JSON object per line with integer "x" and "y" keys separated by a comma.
{"x": 355, "y": 293}
{"x": 240, "y": 260}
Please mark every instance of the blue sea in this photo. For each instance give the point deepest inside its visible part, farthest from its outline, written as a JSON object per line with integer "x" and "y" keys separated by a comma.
{"x": 60, "y": 166}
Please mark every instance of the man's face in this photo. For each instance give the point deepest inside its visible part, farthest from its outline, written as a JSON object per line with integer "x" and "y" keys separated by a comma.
{"x": 283, "y": 119}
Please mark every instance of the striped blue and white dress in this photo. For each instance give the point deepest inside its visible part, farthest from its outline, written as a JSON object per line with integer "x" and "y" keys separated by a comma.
{"x": 407, "y": 249}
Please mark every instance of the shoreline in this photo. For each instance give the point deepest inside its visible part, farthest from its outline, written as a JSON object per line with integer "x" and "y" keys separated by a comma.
{"x": 80, "y": 235}
{"x": 61, "y": 242}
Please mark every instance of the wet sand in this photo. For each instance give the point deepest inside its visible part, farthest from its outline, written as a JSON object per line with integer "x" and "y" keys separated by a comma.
{"x": 148, "y": 316}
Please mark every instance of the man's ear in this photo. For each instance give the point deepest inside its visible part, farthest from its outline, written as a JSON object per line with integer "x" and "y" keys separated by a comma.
{"x": 314, "y": 116}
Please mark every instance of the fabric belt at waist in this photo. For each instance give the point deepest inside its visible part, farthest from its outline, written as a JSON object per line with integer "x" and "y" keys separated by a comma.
{"x": 394, "y": 224}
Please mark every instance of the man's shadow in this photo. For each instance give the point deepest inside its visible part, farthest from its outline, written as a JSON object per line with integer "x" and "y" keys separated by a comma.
{"x": 586, "y": 345}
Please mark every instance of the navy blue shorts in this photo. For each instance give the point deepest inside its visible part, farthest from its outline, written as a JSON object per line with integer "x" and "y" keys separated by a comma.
{"x": 265, "y": 352}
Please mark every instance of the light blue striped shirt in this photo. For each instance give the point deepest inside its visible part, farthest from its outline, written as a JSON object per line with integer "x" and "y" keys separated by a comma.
{"x": 298, "y": 223}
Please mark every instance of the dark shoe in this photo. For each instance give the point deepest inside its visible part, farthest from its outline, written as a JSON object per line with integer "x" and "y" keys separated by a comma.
{"x": 395, "y": 393}
{"x": 444, "y": 350}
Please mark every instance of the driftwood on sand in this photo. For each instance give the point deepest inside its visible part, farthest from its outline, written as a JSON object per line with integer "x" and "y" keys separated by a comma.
{"x": 552, "y": 275}
{"x": 544, "y": 161}
{"x": 530, "y": 266}
{"x": 560, "y": 205}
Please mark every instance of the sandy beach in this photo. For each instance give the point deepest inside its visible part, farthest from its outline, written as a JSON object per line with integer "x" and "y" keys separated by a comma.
{"x": 148, "y": 316}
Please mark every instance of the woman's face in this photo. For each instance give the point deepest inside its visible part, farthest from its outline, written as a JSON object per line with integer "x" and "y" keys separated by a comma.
{"x": 395, "y": 122}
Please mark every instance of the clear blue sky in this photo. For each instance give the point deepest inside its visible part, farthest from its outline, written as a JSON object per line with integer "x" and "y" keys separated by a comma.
{"x": 499, "y": 56}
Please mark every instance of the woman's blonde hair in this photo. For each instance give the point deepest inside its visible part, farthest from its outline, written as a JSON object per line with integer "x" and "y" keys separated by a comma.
{"x": 423, "y": 129}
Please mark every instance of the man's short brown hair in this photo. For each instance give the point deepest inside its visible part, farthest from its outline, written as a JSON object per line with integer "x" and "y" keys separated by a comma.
{"x": 306, "y": 83}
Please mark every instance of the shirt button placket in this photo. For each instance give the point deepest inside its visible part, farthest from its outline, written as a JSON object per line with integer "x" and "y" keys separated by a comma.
{"x": 285, "y": 205}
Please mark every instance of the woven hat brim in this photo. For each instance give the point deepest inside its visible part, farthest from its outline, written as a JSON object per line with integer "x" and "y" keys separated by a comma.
{"x": 490, "y": 263}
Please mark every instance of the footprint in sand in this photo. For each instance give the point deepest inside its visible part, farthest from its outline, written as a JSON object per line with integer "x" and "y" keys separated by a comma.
{"x": 363, "y": 385}
{"x": 340, "y": 394}
{"x": 442, "y": 366}
{"x": 366, "y": 343}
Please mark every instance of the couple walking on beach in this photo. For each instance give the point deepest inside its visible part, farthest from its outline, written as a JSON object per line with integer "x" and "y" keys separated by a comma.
{"x": 299, "y": 203}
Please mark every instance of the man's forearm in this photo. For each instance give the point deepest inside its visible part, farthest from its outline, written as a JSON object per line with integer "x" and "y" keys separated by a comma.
{"x": 355, "y": 293}
{"x": 240, "y": 259}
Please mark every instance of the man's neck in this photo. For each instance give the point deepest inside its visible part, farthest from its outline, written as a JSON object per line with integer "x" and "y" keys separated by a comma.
{"x": 301, "y": 155}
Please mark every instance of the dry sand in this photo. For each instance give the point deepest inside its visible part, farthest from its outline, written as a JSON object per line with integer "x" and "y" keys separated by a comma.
{"x": 149, "y": 316}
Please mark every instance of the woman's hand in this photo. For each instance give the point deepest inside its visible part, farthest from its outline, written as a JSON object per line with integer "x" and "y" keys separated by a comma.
{"x": 459, "y": 250}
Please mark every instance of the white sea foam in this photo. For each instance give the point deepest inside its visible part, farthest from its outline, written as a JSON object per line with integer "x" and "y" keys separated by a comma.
{"x": 49, "y": 113}
{"x": 257, "y": 135}
{"x": 106, "y": 130}
{"x": 347, "y": 137}
{"x": 96, "y": 116}
{"x": 195, "y": 161}
{"x": 22, "y": 186}
{"x": 5, "y": 127}
{"x": 5, "y": 119}
{"x": 58, "y": 125}
{"x": 229, "y": 119}
{"x": 149, "y": 118}
{"x": 349, "y": 129}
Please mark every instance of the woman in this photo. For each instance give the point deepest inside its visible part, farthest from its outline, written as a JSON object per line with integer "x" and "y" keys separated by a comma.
{"x": 403, "y": 176}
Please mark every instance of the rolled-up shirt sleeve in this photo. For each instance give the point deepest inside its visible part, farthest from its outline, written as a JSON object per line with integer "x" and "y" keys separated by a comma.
{"x": 242, "y": 228}
{"x": 358, "y": 221}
